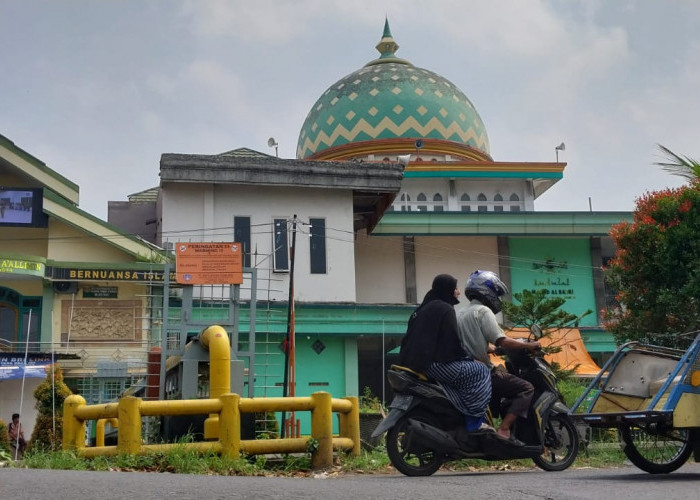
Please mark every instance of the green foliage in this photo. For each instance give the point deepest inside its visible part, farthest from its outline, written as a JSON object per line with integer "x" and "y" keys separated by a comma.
{"x": 4, "y": 437}
{"x": 312, "y": 445}
{"x": 369, "y": 403}
{"x": 266, "y": 425}
{"x": 49, "y": 395}
{"x": 535, "y": 307}
{"x": 656, "y": 269}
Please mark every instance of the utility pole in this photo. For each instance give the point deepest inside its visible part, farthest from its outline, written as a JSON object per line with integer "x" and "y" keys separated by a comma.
{"x": 288, "y": 388}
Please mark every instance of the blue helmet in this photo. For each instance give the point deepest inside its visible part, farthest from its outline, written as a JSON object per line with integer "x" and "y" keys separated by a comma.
{"x": 487, "y": 288}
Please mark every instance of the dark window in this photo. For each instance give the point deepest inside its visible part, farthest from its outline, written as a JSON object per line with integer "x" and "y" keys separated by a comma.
{"x": 422, "y": 198}
{"x": 241, "y": 234}
{"x": 281, "y": 247}
{"x": 514, "y": 208}
{"x": 317, "y": 246}
{"x": 465, "y": 203}
{"x": 482, "y": 197}
{"x": 437, "y": 203}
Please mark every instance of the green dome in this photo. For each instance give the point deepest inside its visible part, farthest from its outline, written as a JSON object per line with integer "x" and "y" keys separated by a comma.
{"x": 390, "y": 98}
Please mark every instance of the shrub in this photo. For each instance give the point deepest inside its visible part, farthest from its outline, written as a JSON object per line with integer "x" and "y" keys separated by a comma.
{"x": 49, "y": 395}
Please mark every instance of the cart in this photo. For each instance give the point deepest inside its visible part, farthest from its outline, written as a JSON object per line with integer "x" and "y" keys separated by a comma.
{"x": 651, "y": 395}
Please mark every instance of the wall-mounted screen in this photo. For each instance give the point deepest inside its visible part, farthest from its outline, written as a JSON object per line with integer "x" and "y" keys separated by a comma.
{"x": 22, "y": 207}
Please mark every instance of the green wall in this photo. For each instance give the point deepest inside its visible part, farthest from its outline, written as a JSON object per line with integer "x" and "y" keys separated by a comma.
{"x": 562, "y": 266}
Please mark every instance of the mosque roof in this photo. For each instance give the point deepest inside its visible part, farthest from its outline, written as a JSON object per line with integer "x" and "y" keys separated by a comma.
{"x": 390, "y": 99}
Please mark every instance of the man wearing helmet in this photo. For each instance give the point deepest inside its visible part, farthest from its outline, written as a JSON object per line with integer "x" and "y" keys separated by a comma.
{"x": 478, "y": 328}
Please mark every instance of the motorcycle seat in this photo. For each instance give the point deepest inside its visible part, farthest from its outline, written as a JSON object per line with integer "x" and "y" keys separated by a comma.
{"x": 418, "y": 375}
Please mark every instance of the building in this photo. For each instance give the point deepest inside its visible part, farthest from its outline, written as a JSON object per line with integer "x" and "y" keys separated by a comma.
{"x": 72, "y": 288}
{"x": 369, "y": 254}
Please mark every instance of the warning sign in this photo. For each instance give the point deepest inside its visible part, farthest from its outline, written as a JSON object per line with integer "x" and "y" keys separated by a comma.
{"x": 209, "y": 263}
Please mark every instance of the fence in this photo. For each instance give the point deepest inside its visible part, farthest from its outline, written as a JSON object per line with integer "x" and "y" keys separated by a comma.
{"x": 225, "y": 417}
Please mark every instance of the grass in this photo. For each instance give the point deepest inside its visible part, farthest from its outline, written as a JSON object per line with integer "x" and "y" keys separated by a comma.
{"x": 183, "y": 461}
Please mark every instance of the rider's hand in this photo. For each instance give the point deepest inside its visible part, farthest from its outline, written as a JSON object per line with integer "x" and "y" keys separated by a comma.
{"x": 533, "y": 346}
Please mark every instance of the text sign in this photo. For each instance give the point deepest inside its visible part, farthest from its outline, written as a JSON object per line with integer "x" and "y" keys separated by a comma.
{"x": 209, "y": 263}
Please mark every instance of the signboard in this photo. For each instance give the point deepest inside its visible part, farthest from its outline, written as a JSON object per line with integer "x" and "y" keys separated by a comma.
{"x": 25, "y": 267}
{"x": 209, "y": 263}
{"x": 101, "y": 274}
{"x": 101, "y": 292}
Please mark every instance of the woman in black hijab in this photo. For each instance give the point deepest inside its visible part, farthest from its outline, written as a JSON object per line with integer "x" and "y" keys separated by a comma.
{"x": 432, "y": 346}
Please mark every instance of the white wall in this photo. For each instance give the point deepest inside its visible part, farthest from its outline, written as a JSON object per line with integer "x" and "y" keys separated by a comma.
{"x": 456, "y": 255}
{"x": 379, "y": 265}
{"x": 205, "y": 213}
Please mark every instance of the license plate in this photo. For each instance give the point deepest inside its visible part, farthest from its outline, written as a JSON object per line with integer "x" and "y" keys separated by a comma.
{"x": 401, "y": 402}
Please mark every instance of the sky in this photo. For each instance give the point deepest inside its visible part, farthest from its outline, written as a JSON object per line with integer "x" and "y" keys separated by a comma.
{"x": 99, "y": 90}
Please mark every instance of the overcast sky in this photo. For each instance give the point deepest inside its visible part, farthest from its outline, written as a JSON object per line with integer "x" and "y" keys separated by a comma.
{"x": 98, "y": 90}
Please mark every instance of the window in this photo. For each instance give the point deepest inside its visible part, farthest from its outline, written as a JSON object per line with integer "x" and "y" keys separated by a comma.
{"x": 241, "y": 234}
{"x": 466, "y": 207}
{"x": 422, "y": 198}
{"x": 482, "y": 198}
{"x": 515, "y": 198}
{"x": 280, "y": 247}
{"x": 317, "y": 246}
{"x": 405, "y": 203}
{"x": 437, "y": 203}
{"x": 498, "y": 205}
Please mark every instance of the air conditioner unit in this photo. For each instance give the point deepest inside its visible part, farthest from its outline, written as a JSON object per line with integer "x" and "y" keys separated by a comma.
{"x": 65, "y": 286}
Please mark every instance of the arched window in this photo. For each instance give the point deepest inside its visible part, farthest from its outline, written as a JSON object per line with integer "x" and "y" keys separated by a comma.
{"x": 405, "y": 203}
{"x": 422, "y": 198}
{"x": 464, "y": 203}
{"x": 514, "y": 198}
{"x": 437, "y": 203}
{"x": 386, "y": 159}
{"x": 498, "y": 203}
{"x": 419, "y": 159}
{"x": 482, "y": 198}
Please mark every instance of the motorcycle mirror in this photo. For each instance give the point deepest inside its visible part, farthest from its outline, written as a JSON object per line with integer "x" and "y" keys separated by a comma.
{"x": 536, "y": 331}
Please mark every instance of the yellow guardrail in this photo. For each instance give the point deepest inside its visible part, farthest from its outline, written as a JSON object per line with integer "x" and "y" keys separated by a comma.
{"x": 225, "y": 411}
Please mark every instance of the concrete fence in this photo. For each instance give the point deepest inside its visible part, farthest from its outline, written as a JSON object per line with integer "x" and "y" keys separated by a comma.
{"x": 222, "y": 428}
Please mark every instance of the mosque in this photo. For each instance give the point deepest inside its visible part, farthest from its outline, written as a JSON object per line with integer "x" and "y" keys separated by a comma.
{"x": 394, "y": 182}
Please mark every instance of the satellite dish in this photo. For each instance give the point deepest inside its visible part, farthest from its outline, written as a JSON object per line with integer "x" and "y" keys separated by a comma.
{"x": 561, "y": 147}
{"x": 271, "y": 142}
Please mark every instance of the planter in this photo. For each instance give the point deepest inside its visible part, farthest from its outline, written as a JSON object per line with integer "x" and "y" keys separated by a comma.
{"x": 369, "y": 422}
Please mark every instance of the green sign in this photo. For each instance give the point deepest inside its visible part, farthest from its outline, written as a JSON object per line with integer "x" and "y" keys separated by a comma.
{"x": 561, "y": 266}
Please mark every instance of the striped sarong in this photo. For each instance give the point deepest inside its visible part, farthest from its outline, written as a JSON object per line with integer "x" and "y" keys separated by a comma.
{"x": 466, "y": 382}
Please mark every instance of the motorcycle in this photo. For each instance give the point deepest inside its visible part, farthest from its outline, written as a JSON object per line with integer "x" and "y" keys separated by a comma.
{"x": 424, "y": 430}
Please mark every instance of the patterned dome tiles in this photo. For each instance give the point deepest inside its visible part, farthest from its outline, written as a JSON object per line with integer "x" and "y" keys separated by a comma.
{"x": 391, "y": 100}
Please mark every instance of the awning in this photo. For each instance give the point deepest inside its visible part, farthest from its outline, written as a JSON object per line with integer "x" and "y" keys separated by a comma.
{"x": 13, "y": 372}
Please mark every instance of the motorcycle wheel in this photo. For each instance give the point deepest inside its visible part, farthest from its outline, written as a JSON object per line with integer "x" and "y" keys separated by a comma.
{"x": 561, "y": 444}
{"x": 656, "y": 450}
{"x": 409, "y": 461}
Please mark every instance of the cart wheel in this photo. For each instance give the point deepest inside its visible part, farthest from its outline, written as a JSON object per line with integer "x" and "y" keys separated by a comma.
{"x": 656, "y": 449}
{"x": 560, "y": 444}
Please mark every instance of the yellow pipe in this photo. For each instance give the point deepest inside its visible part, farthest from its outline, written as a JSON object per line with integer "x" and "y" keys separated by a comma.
{"x": 266, "y": 446}
{"x": 256, "y": 405}
{"x": 216, "y": 340}
{"x": 100, "y": 429}
{"x": 322, "y": 430}
{"x": 350, "y": 424}
{"x": 180, "y": 407}
{"x": 129, "y": 433}
{"x": 96, "y": 412}
{"x": 230, "y": 426}
{"x": 73, "y": 427}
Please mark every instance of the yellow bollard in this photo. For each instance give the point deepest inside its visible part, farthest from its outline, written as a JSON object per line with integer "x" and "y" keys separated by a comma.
{"x": 350, "y": 424}
{"x": 230, "y": 426}
{"x": 129, "y": 433}
{"x": 100, "y": 429}
{"x": 322, "y": 430}
{"x": 216, "y": 340}
{"x": 73, "y": 429}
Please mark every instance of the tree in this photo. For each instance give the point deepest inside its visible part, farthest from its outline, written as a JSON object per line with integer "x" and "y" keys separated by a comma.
{"x": 656, "y": 269}
{"x": 680, "y": 165}
{"x": 535, "y": 307}
{"x": 49, "y": 395}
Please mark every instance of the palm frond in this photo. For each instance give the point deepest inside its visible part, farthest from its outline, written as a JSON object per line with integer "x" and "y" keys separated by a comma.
{"x": 680, "y": 165}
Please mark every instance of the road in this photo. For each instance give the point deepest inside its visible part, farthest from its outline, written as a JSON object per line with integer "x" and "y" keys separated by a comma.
{"x": 576, "y": 484}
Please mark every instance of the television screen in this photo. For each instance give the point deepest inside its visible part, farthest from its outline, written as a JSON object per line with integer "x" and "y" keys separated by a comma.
{"x": 22, "y": 207}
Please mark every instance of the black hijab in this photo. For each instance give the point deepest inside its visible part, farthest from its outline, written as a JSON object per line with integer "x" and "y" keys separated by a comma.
{"x": 443, "y": 289}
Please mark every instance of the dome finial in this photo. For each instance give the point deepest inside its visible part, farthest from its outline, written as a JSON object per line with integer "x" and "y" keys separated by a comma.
{"x": 387, "y": 47}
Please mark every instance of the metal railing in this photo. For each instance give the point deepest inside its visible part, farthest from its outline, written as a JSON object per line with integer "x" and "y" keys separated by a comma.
{"x": 224, "y": 419}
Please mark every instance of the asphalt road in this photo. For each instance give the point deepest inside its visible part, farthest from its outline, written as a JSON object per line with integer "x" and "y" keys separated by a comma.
{"x": 621, "y": 484}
